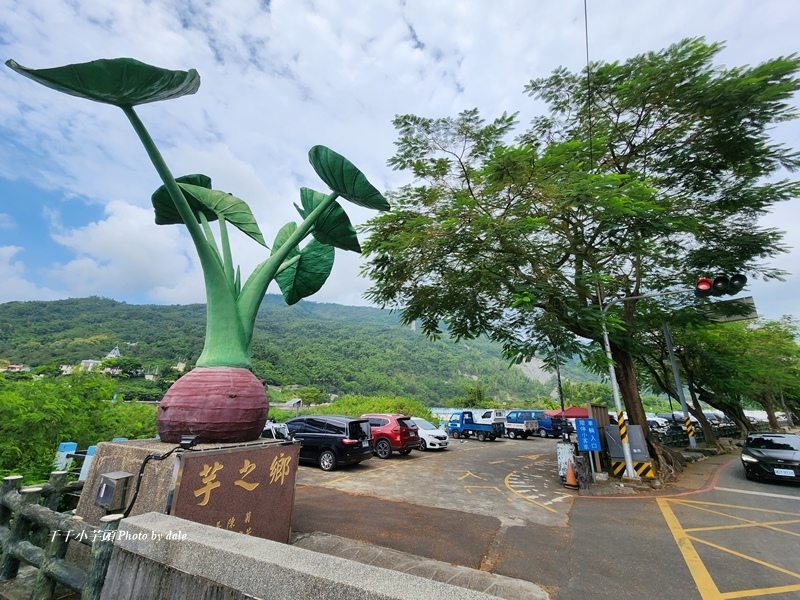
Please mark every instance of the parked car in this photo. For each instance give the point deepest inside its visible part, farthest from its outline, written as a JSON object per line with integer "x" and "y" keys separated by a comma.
{"x": 548, "y": 426}
{"x": 430, "y": 436}
{"x": 276, "y": 431}
{"x": 331, "y": 440}
{"x": 771, "y": 455}
{"x": 657, "y": 424}
{"x": 392, "y": 432}
{"x": 676, "y": 420}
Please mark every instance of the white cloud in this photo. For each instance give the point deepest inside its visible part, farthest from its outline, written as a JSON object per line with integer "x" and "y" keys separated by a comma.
{"x": 15, "y": 285}
{"x": 123, "y": 254}
{"x": 7, "y": 221}
{"x": 275, "y": 82}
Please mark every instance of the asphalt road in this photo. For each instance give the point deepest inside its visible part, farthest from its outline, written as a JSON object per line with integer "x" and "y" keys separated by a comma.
{"x": 500, "y": 507}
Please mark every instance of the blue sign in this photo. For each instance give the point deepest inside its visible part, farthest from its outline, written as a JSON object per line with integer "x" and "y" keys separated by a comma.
{"x": 588, "y": 437}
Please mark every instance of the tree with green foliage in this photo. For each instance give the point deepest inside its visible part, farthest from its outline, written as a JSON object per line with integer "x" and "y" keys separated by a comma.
{"x": 732, "y": 367}
{"x": 644, "y": 175}
{"x": 123, "y": 366}
{"x": 37, "y": 415}
{"x": 355, "y": 406}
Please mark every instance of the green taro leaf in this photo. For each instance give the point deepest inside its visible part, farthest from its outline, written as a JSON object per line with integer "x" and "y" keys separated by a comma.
{"x": 333, "y": 225}
{"x": 306, "y": 276}
{"x": 345, "y": 179}
{"x": 123, "y": 82}
{"x": 233, "y": 209}
{"x": 167, "y": 214}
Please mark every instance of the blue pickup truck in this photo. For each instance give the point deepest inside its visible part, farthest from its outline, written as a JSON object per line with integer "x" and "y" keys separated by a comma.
{"x": 548, "y": 426}
{"x": 463, "y": 423}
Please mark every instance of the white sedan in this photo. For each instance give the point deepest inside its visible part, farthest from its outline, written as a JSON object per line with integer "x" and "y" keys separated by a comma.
{"x": 430, "y": 436}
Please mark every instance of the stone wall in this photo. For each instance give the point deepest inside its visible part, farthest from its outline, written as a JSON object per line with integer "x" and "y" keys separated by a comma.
{"x": 159, "y": 557}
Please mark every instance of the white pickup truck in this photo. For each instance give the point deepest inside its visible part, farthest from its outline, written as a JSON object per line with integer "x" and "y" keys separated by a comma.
{"x": 521, "y": 424}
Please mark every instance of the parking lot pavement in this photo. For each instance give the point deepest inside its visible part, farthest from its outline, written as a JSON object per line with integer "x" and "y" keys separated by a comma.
{"x": 513, "y": 480}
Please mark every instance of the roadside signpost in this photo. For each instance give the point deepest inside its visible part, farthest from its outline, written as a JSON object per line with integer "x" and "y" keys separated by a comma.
{"x": 588, "y": 438}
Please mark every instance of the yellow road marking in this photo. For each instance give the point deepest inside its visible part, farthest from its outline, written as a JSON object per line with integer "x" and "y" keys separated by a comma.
{"x": 753, "y": 493}
{"x": 762, "y": 592}
{"x": 702, "y": 579}
{"x": 746, "y": 522}
{"x": 336, "y": 480}
{"x": 469, "y": 488}
{"x": 745, "y": 557}
{"x": 705, "y": 584}
{"x": 470, "y": 474}
{"x": 750, "y": 524}
{"x": 513, "y": 491}
{"x": 766, "y": 510}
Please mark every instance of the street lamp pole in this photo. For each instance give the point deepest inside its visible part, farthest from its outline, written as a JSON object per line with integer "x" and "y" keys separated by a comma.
{"x": 630, "y": 472}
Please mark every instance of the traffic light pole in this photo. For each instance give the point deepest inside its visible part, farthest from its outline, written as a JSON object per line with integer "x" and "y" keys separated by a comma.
{"x": 679, "y": 386}
{"x": 630, "y": 472}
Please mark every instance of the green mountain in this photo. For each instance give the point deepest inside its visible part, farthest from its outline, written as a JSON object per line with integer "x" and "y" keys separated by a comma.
{"x": 338, "y": 349}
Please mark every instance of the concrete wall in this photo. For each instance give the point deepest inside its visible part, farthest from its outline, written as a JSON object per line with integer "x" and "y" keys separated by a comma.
{"x": 159, "y": 557}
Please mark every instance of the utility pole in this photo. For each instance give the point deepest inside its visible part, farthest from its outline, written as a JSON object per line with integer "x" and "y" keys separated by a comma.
{"x": 630, "y": 472}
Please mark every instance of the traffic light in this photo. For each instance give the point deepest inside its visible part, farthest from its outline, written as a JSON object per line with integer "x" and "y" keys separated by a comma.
{"x": 703, "y": 287}
{"x": 720, "y": 285}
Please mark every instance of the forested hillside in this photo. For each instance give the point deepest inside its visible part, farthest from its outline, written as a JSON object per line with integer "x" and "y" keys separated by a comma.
{"x": 338, "y": 349}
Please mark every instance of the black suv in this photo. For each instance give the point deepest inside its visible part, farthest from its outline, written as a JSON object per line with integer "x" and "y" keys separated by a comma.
{"x": 332, "y": 440}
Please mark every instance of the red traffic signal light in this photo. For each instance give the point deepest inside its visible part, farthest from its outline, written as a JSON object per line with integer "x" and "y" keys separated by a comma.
{"x": 720, "y": 285}
{"x": 703, "y": 287}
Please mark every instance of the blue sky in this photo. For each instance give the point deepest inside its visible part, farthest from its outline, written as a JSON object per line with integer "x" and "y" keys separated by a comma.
{"x": 277, "y": 78}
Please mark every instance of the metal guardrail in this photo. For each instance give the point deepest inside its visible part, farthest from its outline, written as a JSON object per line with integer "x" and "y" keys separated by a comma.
{"x": 33, "y": 532}
{"x": 681, "y": 438}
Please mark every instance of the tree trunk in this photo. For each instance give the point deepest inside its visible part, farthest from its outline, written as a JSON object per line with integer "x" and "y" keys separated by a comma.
{"x": 629, "y": 388}
{"x": 708, "y": 431}
{"x": 669, "y": 462}
{"x": 767, "y": 402}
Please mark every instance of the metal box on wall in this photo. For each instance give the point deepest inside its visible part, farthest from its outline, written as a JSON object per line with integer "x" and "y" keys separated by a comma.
{"x": 636, "y": 440}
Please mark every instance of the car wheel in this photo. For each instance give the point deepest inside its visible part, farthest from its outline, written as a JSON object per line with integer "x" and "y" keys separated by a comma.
{"x": 423, "y": 445}
{"x": 327, "y": 460}
{"x": 542, "y": 433}
{"x": 512, "y": 435}
{"x": 455, "y": 434}
{"x": 481, "y": 436}
{"x": 405, "y": 451}
{"x": 383, "y": 449}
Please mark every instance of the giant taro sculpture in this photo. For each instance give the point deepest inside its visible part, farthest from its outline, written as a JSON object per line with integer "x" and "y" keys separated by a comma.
{"x": 221, "y": 400}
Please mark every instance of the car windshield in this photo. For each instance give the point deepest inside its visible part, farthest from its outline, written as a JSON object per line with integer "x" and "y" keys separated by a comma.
{"x": 423, "y": 424}
{"x": 789, "y": 442}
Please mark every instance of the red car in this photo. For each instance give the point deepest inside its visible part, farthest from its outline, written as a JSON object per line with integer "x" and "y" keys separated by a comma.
{"x": 393, "y": 432}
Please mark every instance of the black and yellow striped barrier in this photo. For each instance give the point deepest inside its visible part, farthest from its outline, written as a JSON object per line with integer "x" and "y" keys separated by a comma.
{"x": 643, "y": 469}
{"x": 623, "y": 427}
{"x": 689, "y": 427}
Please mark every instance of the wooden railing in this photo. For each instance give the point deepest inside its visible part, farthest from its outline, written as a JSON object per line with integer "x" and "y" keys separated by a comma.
{"x": 32, "y": 531}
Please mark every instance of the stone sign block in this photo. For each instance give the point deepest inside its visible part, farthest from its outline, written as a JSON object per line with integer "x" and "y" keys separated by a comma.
{"x": 247, "y": 489}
